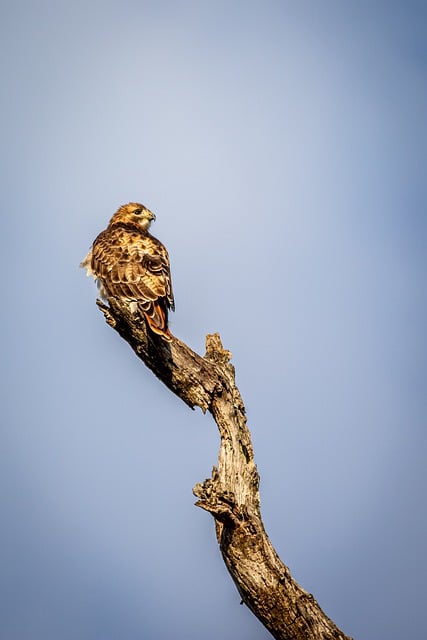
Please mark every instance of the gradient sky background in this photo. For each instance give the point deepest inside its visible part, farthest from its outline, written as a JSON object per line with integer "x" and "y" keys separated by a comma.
{"x": 282, "y": 146}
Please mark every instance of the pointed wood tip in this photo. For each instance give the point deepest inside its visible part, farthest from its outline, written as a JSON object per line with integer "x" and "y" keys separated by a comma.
{"x": 215, "y": 351}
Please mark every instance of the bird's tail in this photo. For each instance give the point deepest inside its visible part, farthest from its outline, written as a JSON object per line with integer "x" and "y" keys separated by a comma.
{"x": 158, "y": 321}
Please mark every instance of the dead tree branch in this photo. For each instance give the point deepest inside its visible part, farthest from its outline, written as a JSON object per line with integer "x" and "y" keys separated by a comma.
{"x": 231, "y": 493}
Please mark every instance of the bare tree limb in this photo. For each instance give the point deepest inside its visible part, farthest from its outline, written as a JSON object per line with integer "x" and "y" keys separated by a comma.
{"x": 231, "y": 494}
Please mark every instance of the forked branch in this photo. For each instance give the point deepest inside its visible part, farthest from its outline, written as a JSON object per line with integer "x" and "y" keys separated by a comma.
{"x": 231, "y": 493}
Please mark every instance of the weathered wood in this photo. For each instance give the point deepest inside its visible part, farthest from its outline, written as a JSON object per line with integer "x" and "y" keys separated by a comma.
{"x": 231, "y": 494}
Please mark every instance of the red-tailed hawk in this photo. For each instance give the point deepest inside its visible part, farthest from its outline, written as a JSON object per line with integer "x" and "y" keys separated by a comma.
{"x": 130, "y": 264}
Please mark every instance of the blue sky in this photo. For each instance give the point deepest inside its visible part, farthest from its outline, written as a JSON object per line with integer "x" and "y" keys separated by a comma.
{"x": 282, "y": 147}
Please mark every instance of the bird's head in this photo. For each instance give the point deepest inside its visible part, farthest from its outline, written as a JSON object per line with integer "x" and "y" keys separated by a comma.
{"x": 134, "y": 214}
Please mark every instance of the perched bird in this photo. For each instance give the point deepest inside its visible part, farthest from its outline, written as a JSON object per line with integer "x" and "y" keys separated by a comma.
{"x": 128, "y": 263}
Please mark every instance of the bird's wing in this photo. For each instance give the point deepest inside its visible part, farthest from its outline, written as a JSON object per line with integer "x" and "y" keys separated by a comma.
{"x": 132, "y": 265}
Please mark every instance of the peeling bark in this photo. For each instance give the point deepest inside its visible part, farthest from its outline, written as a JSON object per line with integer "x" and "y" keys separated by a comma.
{"x": 231, "y": 494}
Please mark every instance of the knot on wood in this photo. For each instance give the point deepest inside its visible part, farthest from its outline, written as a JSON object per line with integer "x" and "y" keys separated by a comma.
{"x": 213, "y": 498}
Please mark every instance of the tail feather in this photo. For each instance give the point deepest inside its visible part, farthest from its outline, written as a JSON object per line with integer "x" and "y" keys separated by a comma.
{"x": 158, "y": 321}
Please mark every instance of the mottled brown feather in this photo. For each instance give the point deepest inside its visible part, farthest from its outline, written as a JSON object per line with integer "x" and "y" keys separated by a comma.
{"x": 131, "y": 264}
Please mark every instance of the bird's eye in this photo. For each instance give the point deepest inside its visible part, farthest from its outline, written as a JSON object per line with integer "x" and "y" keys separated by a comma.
{"x": 138, "y": 212}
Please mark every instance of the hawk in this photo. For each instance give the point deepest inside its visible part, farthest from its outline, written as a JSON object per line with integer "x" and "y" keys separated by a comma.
{"x": 128, "y": 263}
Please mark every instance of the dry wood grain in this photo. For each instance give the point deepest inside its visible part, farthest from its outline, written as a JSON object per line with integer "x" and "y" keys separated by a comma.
{"x": 231, "y": 493}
